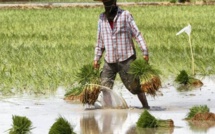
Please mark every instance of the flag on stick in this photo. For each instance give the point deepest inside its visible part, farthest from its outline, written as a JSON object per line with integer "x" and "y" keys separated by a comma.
{"x": 187, "y": 30}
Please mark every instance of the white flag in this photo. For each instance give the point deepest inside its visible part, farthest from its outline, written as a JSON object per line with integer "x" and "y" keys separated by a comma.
{"x": 186, "y": 29}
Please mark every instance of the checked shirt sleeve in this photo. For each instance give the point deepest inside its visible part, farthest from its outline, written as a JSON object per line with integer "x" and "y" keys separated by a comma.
{"x": 99, "y": 45}
{"x": 137, "y": 35}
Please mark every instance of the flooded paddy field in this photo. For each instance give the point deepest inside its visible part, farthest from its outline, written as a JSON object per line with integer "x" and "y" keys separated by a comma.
{"x": 169, "y": 104}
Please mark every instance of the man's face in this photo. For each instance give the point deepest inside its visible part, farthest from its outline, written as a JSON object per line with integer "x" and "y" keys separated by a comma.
{"x": 110, "y": 9}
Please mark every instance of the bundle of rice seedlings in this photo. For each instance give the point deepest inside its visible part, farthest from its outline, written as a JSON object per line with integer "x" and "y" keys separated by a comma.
{"x": 88, "y": 87}
{"x": 90, "y": 94}
{"x": 197, "y": 109}
{"x": 61, "y": 126}
{"x": 146, "y": 120}
{"x": 21, "y": 125}
{"x": 204, "y": 117}
{"x": 187, "y": 81}
{"x": 75, "y": 94}
{"x": 149, "y": 77}
{"x": 182, "y": 78}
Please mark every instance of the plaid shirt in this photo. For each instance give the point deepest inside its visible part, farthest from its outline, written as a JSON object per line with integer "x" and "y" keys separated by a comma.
{"x": 117, "y": 42}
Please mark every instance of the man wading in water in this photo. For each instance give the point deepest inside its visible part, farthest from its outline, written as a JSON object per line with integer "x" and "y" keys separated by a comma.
{"x": 116, "y": 28}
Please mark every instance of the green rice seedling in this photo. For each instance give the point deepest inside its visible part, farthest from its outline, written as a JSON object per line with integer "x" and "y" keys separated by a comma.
{"x": 61, "y": 126}
{"x": 187, "y": 81}
{"x": 182, "y": 78}
{"x": 197, "y": 109}
{"x": 90, "y": 1}
{"x": 146, "y": 120}
{"x": 74, "y": 94}
{"x": 74, "y": 91}
{"x": 89, "y": 85}
{"x": 149, "y": 77}
{"x": 87, "y": 74}
{"x": 21, "y": 125}
{"x": 40, "y": 47}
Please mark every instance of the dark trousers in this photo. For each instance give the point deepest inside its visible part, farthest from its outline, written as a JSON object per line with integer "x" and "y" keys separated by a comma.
{"x": 110, "y": 71}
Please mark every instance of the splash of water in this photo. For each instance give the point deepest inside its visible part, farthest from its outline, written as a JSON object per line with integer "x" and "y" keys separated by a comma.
{"x": 110, "y": 99}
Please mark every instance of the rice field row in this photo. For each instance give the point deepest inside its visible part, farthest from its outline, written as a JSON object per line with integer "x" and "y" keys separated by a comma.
{"x": 41, "y": 49}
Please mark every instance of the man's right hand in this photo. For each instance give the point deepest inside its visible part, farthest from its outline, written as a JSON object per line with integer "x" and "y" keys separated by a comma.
{"x": 96, "y": 65}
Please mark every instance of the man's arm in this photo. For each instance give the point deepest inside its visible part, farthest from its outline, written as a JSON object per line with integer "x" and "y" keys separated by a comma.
{"x": 138, "y": 37}
{"x": 99, "y": 48}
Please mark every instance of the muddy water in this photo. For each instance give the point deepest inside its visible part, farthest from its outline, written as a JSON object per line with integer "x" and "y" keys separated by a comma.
{"x": 170, "y": 104}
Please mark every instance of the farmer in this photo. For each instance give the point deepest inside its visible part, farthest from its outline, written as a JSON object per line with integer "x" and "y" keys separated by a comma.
{"x": 116, "y": 28}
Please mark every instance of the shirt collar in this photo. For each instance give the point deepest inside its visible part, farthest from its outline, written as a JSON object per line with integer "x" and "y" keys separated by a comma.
{"x": 119, "y": 11}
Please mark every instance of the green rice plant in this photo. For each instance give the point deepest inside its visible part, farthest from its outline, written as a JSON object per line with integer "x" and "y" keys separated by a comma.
{"x": 182, "y": 78}
{"x": 146, "y": 120}
{"x": 172, "y": 1}
{"x": 140, "y": 68}
{"x": 74, "y": 94}
{"x": 87, "y": 74}
{"x": 149, "y": 76}
{"x": 80, "y": 1}
{"x": 74, "y": 91}
{"x": 197, "y": 109}
{"x": 88, "y": 87}
{"x": 21, "y": 125}
{"x": 41, "y": 49}
{"x": 187, "y": 82}
{"x": 61, "y": 126}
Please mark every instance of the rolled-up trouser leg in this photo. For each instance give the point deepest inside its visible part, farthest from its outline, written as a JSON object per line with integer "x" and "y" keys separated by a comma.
{"x": 132, "y": 83}
{"x": 108, "y": 76}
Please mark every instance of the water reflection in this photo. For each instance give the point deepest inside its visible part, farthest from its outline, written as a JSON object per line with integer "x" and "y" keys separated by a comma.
{"x": 201, "y": 126}
{"x": 136, "y": 130}
{"x": 102, "y": 123}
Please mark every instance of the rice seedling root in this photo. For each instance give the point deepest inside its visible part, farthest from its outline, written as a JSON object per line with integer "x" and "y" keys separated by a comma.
{"x": 204, "y": 117}
{"x": 90, "y": 94}
{"x": 151, "y": 86}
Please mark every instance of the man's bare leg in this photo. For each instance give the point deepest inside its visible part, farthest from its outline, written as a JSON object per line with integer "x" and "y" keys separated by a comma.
{"x": 143, "y": 100}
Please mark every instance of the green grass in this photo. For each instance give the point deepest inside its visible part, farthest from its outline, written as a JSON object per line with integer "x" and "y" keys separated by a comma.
{"x": 41, "y": 49}
{"x": 91, "y": 1}
{"x": 21, "y": 125}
